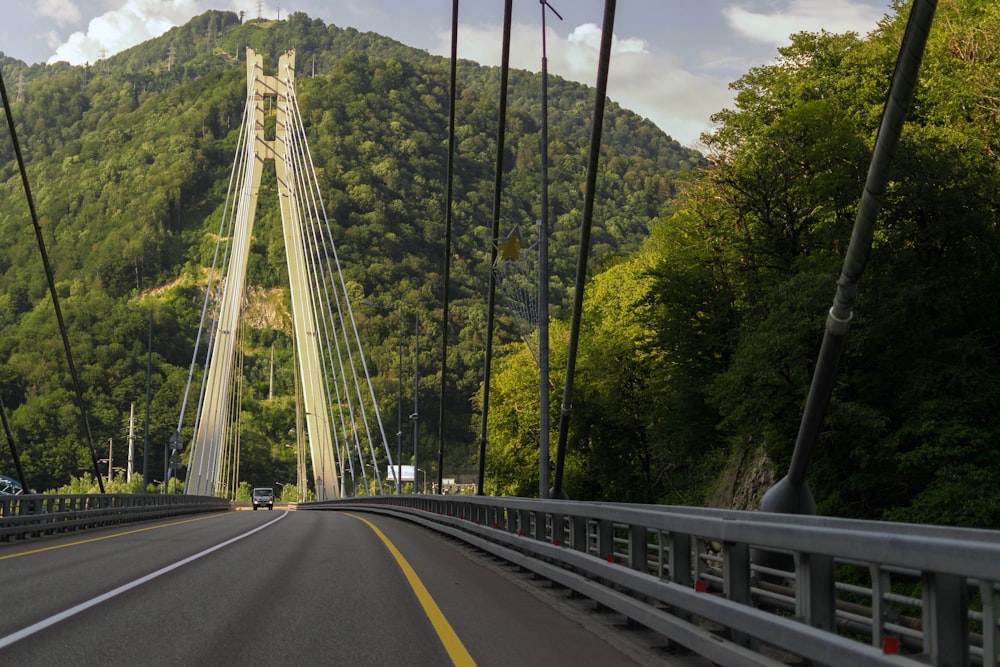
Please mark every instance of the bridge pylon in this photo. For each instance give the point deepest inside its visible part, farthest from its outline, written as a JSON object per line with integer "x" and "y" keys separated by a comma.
{"x": 214, "y": 422}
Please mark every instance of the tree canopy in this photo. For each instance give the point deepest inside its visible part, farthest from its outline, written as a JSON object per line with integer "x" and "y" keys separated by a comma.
{"x": 702, "y": 343}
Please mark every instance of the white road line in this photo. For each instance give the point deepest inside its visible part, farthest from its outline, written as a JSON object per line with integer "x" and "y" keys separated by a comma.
{"x": 84, "y": 606}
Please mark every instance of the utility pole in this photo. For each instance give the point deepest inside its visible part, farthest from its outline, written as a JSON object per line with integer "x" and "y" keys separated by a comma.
{"x": 111, "y": 453}
{"x": 543, "y": 280}
{"x": 270, "y": 382}
{"x": 131, "y": 443}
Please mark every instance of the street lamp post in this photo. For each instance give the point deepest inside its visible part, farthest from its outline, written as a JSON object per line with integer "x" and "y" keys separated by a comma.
{"x": 399, "y": 415}
{"x": 415, "y": 417}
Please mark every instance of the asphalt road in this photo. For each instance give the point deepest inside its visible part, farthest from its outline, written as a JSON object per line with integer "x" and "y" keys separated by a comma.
{"x": 278, "y": 588}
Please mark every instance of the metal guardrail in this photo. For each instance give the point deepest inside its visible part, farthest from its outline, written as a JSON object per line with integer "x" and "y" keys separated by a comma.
{"x": 747, "y": 587}
{"x": 35, "y": 515}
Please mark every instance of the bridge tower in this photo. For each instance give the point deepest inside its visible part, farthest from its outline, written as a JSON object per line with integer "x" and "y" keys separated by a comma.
{"x": 206, "y": 458}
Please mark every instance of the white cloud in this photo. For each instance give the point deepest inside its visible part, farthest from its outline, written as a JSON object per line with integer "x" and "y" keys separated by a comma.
{"x": 774, "y": 27}
{"x": 589, "y": 35}
{"x": 53, "y": 40}
{"x": 61, "y": 11}
{"x": 118, "y": 29}
{"x": 653, "y": 84}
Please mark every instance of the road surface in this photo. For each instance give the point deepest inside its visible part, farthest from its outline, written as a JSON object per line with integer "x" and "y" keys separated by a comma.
{"x": 274, "y": 588}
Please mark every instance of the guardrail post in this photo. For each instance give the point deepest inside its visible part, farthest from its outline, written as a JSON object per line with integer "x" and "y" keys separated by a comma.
{"x": 558, "y": 529}
{"x": 538, "y": 531}
{"x": 815, "y": 597}
{"x": 679, "y": 560}
{"x": 946, "y": 619}
{"x": 638, "y": 558}
{"x": 736, "y": 580}
{"x": 701, "y": 548}
{"x": 510, "y": 520}
{"x": 679, "y": 563}
{"x": 605, "y": 539}
{"x": 524, "y": 522}
{"x": 880, "y": 584}
{"x": 580, "y": 534}
{"x": 991, "y": 639}
{"x": 736, "y": 572}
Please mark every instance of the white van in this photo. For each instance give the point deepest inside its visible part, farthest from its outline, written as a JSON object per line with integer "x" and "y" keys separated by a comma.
{"x": 261, "y": 496}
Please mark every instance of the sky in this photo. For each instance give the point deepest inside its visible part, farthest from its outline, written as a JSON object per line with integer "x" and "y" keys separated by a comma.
{"x": 672, "y": 60}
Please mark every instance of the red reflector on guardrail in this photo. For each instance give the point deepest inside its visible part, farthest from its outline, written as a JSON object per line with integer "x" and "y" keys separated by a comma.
{"x": 701, "y": 586}
{"x": 890, "y": 645}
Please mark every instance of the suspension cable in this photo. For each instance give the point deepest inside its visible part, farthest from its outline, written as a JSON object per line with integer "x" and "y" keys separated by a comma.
{"x": 227, "y": 224}
{"x": 52, "y": 284}
{"x": 319, "y": 215}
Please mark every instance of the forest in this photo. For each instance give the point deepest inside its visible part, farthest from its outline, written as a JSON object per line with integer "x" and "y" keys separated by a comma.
{"x": 710, "y": 275}
{"x": 700, "y": 346}
{"x": 129, "y": 160}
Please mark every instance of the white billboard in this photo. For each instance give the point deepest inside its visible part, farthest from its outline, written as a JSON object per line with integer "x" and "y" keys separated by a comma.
{"x": 405, "y": 473}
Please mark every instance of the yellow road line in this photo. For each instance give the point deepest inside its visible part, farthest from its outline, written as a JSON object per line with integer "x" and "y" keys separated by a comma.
{"x": 104, "y": 537}
{"x": 452, "y": 644}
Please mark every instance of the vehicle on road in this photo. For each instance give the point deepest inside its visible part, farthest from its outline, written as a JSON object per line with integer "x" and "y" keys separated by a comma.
{"x": 10, "y": 486}
{"x": 262, "y": 496}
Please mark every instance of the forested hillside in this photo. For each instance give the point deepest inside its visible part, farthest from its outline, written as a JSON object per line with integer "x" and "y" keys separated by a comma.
{"x": 699, "y": 348}
{"x": 129, "y": 160}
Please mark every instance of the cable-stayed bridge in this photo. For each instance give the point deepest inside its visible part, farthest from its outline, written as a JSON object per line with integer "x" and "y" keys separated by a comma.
{"x": 329, "y": 359}
{"x": 736, "y": 588}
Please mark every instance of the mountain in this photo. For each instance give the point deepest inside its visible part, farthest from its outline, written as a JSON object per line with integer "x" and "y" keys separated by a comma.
{"x": 129, "y": 160}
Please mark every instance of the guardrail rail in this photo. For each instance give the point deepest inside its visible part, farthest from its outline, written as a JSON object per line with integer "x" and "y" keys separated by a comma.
{"x": 746, "y": 587}
{"x": 34, "y": 515}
